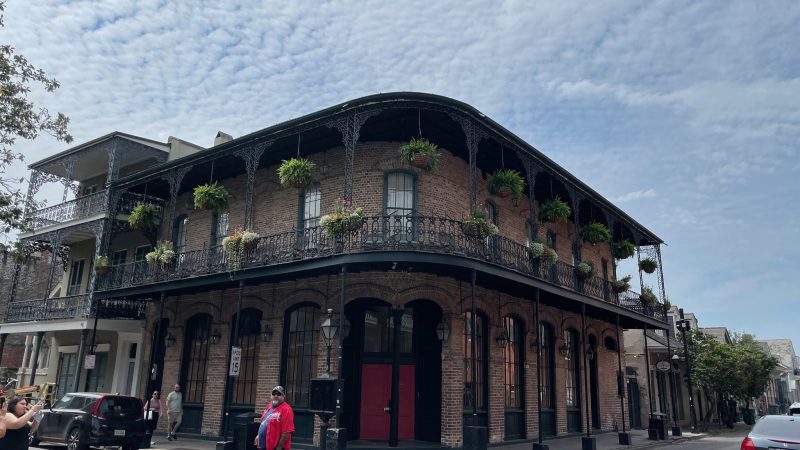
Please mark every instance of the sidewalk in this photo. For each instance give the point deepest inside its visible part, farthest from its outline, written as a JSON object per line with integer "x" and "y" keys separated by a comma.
{"x": 604, "y": 441}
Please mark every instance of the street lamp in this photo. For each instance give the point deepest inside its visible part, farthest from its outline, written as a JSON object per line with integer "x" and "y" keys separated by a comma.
{"x": 684, "y": 325}
{"x": 329, "y": 329}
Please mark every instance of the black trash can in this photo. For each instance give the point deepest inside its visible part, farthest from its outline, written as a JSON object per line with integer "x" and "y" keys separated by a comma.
{"x": 245, "y": 430}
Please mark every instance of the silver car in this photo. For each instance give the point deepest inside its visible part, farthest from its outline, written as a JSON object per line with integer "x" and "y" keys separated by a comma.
{"x": 774, "y": 433}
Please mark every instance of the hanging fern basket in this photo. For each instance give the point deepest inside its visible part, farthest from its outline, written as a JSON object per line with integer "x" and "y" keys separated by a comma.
{"x": 212, "y": 196}
{"x": 296, "y": 172}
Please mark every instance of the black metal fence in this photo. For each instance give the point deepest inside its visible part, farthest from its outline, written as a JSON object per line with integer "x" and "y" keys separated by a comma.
{"x": 72, "y": 307}
{"x": 377, "y": 233}
{"x": 87, "y": 206}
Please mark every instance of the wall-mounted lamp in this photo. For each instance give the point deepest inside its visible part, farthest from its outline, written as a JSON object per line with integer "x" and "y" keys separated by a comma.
{"x": 675, "y": 357}
{"x": 564, "y": 350}
{"x": 266, "y": 335}
{"x": 515, "y": 201}
{"x": 502, "y": 339}
{"x": 215, "y": 336}
{"x": 170, "y": 340}
{"x": 442, "y": 330}
{"x": 590, "y": 353}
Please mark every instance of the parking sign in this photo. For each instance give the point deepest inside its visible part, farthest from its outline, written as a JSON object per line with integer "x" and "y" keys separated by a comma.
{"x": 236, "y": 359}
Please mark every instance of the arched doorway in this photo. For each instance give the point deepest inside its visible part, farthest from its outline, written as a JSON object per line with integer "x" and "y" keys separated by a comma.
{"x": 373, "y": 350}
{"x": 193, "y": 371}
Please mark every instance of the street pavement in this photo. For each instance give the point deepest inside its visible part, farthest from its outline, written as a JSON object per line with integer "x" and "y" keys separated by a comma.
{"x": 716, "y": 439}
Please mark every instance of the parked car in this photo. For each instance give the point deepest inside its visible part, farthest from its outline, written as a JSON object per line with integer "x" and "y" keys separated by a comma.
{"x": 794, "y": 409}
{"x": 83, "y": 419}
{"x": 774, "y": 432}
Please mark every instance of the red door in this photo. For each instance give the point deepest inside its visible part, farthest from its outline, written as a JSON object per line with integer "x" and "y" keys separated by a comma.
{"x": 376, "y": 394}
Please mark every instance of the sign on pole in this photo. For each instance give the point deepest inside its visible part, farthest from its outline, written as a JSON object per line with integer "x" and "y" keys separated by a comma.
{"x": 88, "y": 362}
{"x": 236, "y": 359}
{"x": 663, "y": 366}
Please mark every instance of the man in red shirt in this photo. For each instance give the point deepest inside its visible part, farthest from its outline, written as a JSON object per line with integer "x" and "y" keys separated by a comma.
{"x": 277, "y": 423}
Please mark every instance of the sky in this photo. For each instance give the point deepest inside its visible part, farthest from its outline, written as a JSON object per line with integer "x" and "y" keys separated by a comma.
{"x": 685, "y": 114}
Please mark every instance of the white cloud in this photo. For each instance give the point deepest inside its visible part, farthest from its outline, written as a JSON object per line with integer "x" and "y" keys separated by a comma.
{"x": 684, "y": 112}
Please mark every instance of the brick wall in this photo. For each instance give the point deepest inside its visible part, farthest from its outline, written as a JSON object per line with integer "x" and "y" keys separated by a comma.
{"x": 274, "y": 299}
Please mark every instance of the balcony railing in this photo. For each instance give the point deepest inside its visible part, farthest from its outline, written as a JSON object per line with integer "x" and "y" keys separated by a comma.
{"x": 87, "y": 206}
{"x": 74, "y": 307}
{"x": 378, "y": 234}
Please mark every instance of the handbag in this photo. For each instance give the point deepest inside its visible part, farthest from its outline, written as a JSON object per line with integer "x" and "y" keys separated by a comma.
{"x": 149, "y": 415}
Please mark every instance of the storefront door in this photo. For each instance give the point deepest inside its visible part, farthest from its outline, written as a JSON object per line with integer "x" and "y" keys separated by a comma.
{"x": 376, "y": 395}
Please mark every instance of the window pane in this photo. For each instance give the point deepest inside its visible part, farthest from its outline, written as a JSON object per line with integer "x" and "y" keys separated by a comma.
{"x": 480, "y": 362}
{"x": 512, "y": 355}
{"x": 399, "y": 202}
{"x": 311, "y": 210}
{"x": 300, "y": 347}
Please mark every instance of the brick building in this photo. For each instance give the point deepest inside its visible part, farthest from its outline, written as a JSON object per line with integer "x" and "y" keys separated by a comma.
{"x": 442, "y": 329}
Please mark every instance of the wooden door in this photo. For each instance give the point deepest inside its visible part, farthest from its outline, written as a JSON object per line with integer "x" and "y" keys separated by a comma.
{"x": 376, "y": 394}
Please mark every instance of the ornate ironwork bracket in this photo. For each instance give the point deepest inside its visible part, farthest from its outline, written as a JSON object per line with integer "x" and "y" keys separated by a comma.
{"x": 532, "y": 171}
{"x": 474, "y": 134}
{"x": 251, "y": 156}
{"x": 349, "y": 125}
{"x": 174, "y": 178}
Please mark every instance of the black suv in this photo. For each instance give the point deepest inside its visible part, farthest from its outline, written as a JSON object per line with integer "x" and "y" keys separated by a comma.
{"x": 82, "y": 419}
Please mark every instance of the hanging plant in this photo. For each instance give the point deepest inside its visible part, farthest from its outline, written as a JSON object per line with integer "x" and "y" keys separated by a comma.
{"x": 421, "y": 153}
{"x": 506, "y": 182}
{"x": 648, "y": 297}
{"x": 624, "y": 249}
{"x": 585, "y": 270}
{"x": 161, "y": 255}
{"x": 296, "y": 172}
{"x": 621, "y": 285}
{"x": 648, "y": 265}
{"x": 479, "y": 226}
{"x": 595, "y": 233}
{"x": 539, "y": 251}
{"x": 666, "y": 305}
{"x": 554, "y": 210}
{"x": 101, "y": 265}
{"x": 239, "y": 243}
{"x": 212, "y": 196}
{"x": 144, "y": 217}
{"x": 345, "y": 219}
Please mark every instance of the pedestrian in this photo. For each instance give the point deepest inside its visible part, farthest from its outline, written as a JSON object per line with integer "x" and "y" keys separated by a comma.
{"x": 3, "y": 411}
{"x": 20, "y": 422}
{"x": 174, "y": 412}
{"x": 277, "y": 423}
{"x": 152, "y": 410}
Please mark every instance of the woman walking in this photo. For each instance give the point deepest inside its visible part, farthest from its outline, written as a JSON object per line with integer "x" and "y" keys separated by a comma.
{"x": 152, "y": 410}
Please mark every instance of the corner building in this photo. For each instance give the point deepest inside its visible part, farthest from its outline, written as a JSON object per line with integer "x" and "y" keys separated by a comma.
{"x": 442, "y": 331}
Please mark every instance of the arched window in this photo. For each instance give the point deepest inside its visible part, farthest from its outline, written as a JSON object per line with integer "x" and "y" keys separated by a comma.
{"x": 195, "y": 358}
{"x": 301, "y": 330}
{"x": 512, "y": 361}
{"x": 310, "y": 207}
{"x": 513, "y": 354}
{"x": 179, "y": 234}
{"x": 244, "y": 386}
{"x": 610, "y": 343}
{"x": 475, "y": 386}
{"x": 548, "y": 386}
{"x": 401, "y": 199}
{"x": 573, "y": 387}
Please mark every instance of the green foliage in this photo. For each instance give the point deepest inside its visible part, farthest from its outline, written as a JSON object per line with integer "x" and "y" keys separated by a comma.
{"x": 144, "y": 217}
{"x": 161, "y": 255}
{"x": 296, "y": 172}
{"x": 624, "y": 249}
{"x": 539, "y": 251}
{"x": 648, "y": 297}
{"x": 740, "y": 370}
{"x": 345, "y": 219}
{"x": 212, "y": 196}
{"x": 101, "y": 261}
{"x": 509, "y": 178}
{"x": 20, "y": 118}
{"x": 621, "y": 285}
{"x": 649, "y": 265}
{"x": 595, "y": 233}
{"x": 426, "y": 153}
{"x": 554, "y": 210}
{"x": 585, "y": 270}
{"x": 479, "y": 226}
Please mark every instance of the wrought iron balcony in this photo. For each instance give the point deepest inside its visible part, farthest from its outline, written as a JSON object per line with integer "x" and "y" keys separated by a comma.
{"x": 378, "y": 234}
{"x": 87, "y": 206}
{"x": 74, "y": 307}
